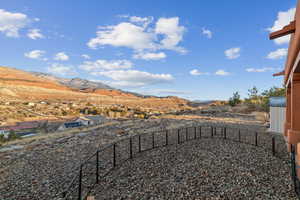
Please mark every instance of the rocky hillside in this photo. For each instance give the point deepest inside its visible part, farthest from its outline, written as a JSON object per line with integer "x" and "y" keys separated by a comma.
{"x": 16, "y": 83}
{"x": 11, "y": 76}
{"x": 29, "y": 96}
{"x": 89, "y": 86}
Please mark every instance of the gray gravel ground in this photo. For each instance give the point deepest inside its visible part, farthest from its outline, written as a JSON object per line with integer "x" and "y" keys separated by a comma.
{"x": 200, "y": 169}
{"x": 44, "y": 168}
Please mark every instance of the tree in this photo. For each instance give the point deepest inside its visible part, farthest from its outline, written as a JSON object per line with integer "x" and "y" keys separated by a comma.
{"x": 253, "y": 93}
{"x": 235, "y": 99}
{"x": 272, "y": 92}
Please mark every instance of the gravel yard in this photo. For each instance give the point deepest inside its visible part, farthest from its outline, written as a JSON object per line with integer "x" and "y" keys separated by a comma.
{"x": 200, "y": 169}
{"x": 44, "y": 168}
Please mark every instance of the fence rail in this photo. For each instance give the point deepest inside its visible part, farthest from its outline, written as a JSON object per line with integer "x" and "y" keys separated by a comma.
{"x": 104, "y": 160}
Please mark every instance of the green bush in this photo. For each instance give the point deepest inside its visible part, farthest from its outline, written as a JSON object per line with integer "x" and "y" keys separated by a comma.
{"x": 257, "y": 101}
{"x": 2, "y": 139}
{"x": 235, "y": 99}
{"x": 12, "y": 136}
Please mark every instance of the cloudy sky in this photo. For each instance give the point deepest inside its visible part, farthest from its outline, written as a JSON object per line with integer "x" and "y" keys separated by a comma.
{"x": 190, "y": 49}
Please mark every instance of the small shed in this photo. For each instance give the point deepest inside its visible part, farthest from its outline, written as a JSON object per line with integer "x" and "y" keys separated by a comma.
{"x": 277, "y": 114}
{"x": 4, "y": 132}
{"x": 70, "y": 124}
{"x": 85, "y": 121}
{"x": 96, "y": 119}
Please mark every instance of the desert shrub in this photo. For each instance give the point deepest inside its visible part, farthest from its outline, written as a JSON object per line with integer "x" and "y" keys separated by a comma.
{"x": 2, "y": 139}
{"x": 257, "y": 101}
{"x": 272, "y": 92}
{"x": 12, "y": 136}
{"x": 64, "y": 113}
{"x": 235, "y": 99}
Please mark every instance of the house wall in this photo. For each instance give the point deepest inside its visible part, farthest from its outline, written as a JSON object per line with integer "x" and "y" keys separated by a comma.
{"x": 62, "y": 127}
{"x": 4, "y": 133}
{"x": 277, "y": 119}
{"x": 84, "y": 122}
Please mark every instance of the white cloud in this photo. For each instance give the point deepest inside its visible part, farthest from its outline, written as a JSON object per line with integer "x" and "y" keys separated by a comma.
{"x": 164, "y": 91}
{"x": 85, "y": 56}
{"x": 233, "y": 53}
{"x": 283, "y": 19}
{"x": 36, "y": 54}
{"x": 35, "y": 34}
{"x": 138, "y": 36}
{"x": 139, "y": 19}
{"x": 207, "y": 33}
{"x": 260, "y": 69}
{"x": 62, "y": 56}
{"x": 125, "y": 84}
{"x": 278, "y": 54}
{"x": 106, "y": 65}
{"x": 221, "y": 72}
{"x": 134, "y": 78}
{"x": 60, "y": 69}
{"x": 169, "y": 27}
{"x": 11, "y": 23}
{"x": 149, "y": 56}
{"x": 196, "y": 72}
{"x": 145, "y": 21}
{"x": 123, "y": 35}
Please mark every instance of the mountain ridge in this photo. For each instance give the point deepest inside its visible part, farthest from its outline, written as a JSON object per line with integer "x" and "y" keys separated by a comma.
{"x": 88, "y": 86}
{"x": 75, "y": 83}
{"x": 12, "y": 76}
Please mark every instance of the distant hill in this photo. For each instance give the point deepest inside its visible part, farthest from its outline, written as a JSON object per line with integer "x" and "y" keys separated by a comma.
{"x": 75, "y": 83}
{"x": 89, "y": 86}
{"x": 19, "y": 84}
{"x": 18, "y": 77}
{"x": 197, "y": 103}
{"x": 29, "y": 96}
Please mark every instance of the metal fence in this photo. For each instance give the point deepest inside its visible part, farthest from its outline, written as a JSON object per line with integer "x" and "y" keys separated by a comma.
{"x": 294, "y": 167}
{"x": 98, "y": 165}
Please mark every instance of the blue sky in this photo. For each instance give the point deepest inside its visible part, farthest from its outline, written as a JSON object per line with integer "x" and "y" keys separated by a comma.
{"x": 195, "y": 50}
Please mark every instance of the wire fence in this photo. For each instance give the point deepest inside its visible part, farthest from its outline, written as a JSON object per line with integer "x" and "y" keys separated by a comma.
{"x": 104, "y": 160}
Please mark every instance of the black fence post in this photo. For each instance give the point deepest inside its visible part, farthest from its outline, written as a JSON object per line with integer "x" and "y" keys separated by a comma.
{"x": 79, "y": 183}
{"x": 97, "y": 169}
{"x": 187, "y": 134}
{"x": 255, "y": 138}
{"x": 200, "y": 131}
{"x": 215, "y": 130}
{"x": 212, "y": 131}
{"x": 114, "y": 155}
{"x": 130, "y": 147}
{"x": 140, "y": 146}
{"x": 153, "y": 145}
{"x": 225, "y": 133}
{"x": 293, "y": 166}
{"x": 273, "y": 146}
{"x": 178, "y": 136}
{"x": 167, "y": 138}
{"x": 195, "y": 133}
{"x": 239, "y": 135}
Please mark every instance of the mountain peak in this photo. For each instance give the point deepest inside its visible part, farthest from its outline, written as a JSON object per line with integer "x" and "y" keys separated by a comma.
{"x": 74, "y": 83}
